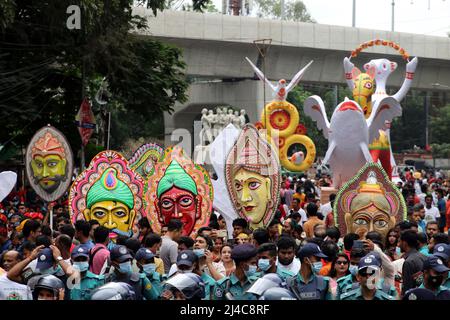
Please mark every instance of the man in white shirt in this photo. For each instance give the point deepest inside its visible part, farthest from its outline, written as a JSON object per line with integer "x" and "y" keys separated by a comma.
{"x": 11, "y": 290}
{"x": 431, "y": 212}
{"x": 296, "y": 208}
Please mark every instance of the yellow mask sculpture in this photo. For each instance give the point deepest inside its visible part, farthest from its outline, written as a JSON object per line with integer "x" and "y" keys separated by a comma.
{"x": 367, "y": 203}
{"x": 48, "y": 169}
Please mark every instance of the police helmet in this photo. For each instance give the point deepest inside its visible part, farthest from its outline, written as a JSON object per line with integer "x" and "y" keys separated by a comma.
{"x": 114, "y": 291}
{"x": 190, "y": 285}
{"x": 270, "y": 280}
{"x": 48, "y": 282}
{"x": 277, "y": 293}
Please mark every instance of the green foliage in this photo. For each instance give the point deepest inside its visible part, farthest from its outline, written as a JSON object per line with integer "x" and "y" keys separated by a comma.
{"x": 440, "y": 125}
{"x": 294, "y": 10}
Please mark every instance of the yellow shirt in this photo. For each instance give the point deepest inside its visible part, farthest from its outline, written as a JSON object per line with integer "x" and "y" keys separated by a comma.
{"x": 308, "y": 226}
{"x": 159, "y": 266}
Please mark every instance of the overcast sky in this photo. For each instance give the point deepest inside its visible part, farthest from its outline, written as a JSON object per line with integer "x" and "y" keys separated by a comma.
{"x": 430, "y": 17}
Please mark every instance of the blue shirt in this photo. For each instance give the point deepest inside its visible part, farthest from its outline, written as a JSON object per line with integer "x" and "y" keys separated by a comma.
{"x": 87, "y": 285}
{"x": 5, "y": 247}
{"x": 234, "y": 286}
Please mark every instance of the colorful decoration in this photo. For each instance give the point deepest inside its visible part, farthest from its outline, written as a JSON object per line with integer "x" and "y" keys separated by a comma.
{"x": 144, "y": 158}
{"x": 49, "y": 163}
{"x": 178, "y": 189}
{"x": 248, "y": 171}
{"x": 369, "y": 202}
{"x": 349, "y": 133}
{"x": 362, "y": 84}
{"x": 85, "y": 120}
{"x": 110, "y": 192}
{"x": 281, "y": 120}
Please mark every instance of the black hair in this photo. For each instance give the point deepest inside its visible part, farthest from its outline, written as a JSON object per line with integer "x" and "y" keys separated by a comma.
{"x": 429, "y": 196}
{"x": 330, "y": 249}
{"x": 332, "y": 197}
{"x": 46, "y": 230}
{"x": 101, "y": 234}
{"x": 43, "y": 240}
{"x": 57, "y": 206}
{"x": 295, "y": 216}
{"x": 220, "y": 217}
{"x": 440, "y": 238}
{"x": 212, "y": 218}
{"x": 418, "y": 206}
{"x": 404, "y": 225}
{"x": 93, "y": 222}
{"x": 349, "y": 238}
{"x": 410, "y": 237}
{"x": 274, "y": 222}
{"x": 133, "y": 245}
{"x": 270, "y": 247}
{"x": 261, "y": 236}
{"x": 333, "y": 233}
{"x": 286, "y": 242}
{"x": 65, "y": 241}
{"x": 315, "y": 240}
{"x": 152, "y": 239}
{"x": 143, "y": 223}
{"x": 187, "y": 241}
{"x": 67, "y": 229}
{"x": 209, "y": 242}
{"x": 83, "y": 226}
{"x": 376, "y": 238}
{"x": 240, "y": 222}
{"x": 311, "y": 209}
{"x": 30, "y": 226}
{"x": 174, "y": 225}
{"x": 332, "y": 272}
{"x": 422, "y": 238}
{"x": 121, "y": 239}
{"x": 214, "y": 225}
{"x": 357, "y": 253}
{"x": 28, "y": 245}
{"x": 200, "y": 231}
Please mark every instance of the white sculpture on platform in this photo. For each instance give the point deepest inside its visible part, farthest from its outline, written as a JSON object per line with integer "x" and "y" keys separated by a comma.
{"x": 349, "y": 133}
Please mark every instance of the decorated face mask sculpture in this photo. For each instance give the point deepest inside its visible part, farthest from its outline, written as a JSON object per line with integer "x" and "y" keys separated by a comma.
{"x": 49, "y": 163}
{"x": 369, "y": 202}
{"x": 178, "y": 189}
{"x": 109, "y": 192}
{"x": 252, "y": 174}
{"x": 143, "y": 160}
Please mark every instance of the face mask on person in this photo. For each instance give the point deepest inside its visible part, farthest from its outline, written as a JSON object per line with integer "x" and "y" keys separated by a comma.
{"x": 149, "y": 268}
{"x": 81, "y": 266}
{"x": 251, "y": 271}
{"x": 435, "y": 281}
{"x": 353, "y": 270}
{"x": 50, "y": 270}
{"x": 316, "y": 266}
{"x": 264, "y": 264}
{"x": 199, "y": 252}
{"x": 125, "y": 267}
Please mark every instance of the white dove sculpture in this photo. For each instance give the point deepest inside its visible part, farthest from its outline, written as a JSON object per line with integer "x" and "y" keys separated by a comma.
{"x": 349, "y": 133}
{"x": 281, "y": 90}
{"x": 7, "y": 181}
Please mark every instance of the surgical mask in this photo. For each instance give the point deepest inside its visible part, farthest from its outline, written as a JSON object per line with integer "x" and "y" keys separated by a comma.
{"x": 125, "y": 267}
{"x": 81, "y": 266}
{"x": 353, "y": 270}
{"x": 149, "y": 268}
{"x": 251, "y": 271}
{"x": 50, "y": 270}
{"x": 435, "y": 281}
{"x": 199, "y": 252}
{"x": 316, "y": 266}
{"x": 264, "y": 264}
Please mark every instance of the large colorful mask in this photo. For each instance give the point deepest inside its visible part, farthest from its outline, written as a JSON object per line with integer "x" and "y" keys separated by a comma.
{"x": 369, "y": 202}
{"x": 143, "y": 160}
{"x": 49, "y": 163}
{"x": 252, "y": 175}
{"x": 110, "y": 192}
{"x": 178, "y": 189}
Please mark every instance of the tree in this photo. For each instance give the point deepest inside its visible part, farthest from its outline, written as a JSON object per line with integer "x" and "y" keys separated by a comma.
{"x": 44, "y": 64}
{"x": 295, "y": 10}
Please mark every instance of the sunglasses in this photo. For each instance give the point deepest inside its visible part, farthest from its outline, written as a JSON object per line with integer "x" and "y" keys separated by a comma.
{"x": 341, "y": 262}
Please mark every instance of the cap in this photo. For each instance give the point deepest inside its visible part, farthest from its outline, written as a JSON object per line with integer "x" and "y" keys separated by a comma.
{"x": 144, "y": 253}
{"x": 419, "y": 294}
{"x": 310, "y": 249}
{"x": 79, "y": 251}
{"x": 243, "y": 252}
{"x": 186, "y": 258}
{"x": 442, "y": 250}
{"x": 434, "y": 262}
{"x": 369, "y": 260}
{"x": 45, "y": 259}
{"x": 120, "y": 253}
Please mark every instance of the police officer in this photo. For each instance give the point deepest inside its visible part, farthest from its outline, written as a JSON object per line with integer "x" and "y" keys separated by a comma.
{"x": 442, "y": 251}
{"x": 114, "y": 291}
{"x": 267, "y": 258}
{"x": 434, "y": 273}
{"x": 419, "y": 294}
{"x": 145, "y": 261}
{"x": 184, "y": 286}
{"x": 266, "y": 282}
{"x": 121, "y": 259}
{"x": 46, "y": 287}
{"x": 84, "y": 280}
{"x": 235, "y": 286}
{"x": 368, "y": 275}
{"x": 307, "y": 284}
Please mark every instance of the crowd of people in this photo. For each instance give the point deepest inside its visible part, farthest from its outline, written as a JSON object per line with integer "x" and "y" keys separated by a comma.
{"x": 301, "y": 255}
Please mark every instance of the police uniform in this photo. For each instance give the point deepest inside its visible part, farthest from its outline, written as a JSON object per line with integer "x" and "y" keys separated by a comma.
{"x": 154, "y": 277}
{"x": 210, "y": 283}
{"x": 437, "y": 263}
{"x": 369, "y": 261}
{"x": 442, "y": 250}
{"x": 87, "y": 285}
{"x": 348, "y": 283}
{"x": 232, "y": 285}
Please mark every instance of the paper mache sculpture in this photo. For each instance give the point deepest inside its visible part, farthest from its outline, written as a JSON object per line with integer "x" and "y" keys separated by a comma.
{"x": 249, "y": 176}
{"x": 144, "y": 158}
{"x": 364, "y": 92}
{"x": 178, "y": 189}
{"x": 349, "y": 133}
{"x": 110, "y": 192}
{"x": 49, "y": 163}
{"x": 369, "y": 201}
{"x": 8, "y": 180}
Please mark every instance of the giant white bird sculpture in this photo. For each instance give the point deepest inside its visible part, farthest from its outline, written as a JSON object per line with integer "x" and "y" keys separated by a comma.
{"x": 281, "y": 90}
